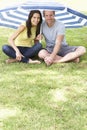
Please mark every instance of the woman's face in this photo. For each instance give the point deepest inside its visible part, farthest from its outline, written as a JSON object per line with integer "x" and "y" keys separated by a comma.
{"x": 35, "y": 19}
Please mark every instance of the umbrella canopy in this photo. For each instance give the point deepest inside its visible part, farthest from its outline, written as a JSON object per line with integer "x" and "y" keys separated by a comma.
{"x": 13, "y": 16}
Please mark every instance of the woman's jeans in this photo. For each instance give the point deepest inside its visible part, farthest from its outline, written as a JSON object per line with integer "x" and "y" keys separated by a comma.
{"x": 27, "y": 52}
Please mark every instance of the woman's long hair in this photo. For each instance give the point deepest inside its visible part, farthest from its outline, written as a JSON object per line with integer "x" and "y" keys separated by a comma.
{"x": 29, "y": 24}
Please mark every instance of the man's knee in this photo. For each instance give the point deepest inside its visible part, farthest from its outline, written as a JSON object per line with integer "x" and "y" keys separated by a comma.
{"x": 40, "y": 54}
{"x": 82, "y": 49}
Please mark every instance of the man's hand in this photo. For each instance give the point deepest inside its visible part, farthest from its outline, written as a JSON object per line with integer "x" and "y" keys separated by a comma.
{"x": 48, "y": 60}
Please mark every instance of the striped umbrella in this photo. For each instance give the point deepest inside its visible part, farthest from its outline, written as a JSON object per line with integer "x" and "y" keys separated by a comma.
{"x": 13, "y": 16}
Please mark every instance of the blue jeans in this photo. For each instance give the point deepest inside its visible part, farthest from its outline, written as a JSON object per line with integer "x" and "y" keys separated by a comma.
{"x": 27, "y": 52}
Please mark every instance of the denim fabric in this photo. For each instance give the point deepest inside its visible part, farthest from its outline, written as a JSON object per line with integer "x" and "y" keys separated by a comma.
{"x": 27, "y": 52}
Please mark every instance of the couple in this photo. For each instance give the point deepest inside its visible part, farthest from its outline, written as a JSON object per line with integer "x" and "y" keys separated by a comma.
{"x": 25, "y": 41}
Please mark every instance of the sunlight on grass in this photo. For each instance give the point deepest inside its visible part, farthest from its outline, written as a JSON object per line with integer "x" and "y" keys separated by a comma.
{"x": 50, "y": 98}
{"x": 6, "y": 112}
{"x": 58, "y": 95}
{"x": 80, "y": 90}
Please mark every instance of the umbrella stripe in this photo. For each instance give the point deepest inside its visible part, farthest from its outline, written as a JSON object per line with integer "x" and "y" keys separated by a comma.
{"x": 14, "y": 16}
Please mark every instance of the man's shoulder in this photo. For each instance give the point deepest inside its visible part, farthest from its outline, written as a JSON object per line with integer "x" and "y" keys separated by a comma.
{"x": 59, "y": 22}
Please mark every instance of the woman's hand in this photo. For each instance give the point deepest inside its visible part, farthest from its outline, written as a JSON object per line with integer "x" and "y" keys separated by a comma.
{"x": 39, "y": 37}
{"x": 19, "y": 55}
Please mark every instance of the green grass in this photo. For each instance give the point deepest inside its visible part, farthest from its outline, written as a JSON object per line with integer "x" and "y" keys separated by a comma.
{"x": 37, "y": 97}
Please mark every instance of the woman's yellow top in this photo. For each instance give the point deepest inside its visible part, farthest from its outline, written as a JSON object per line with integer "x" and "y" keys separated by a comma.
{"x": 23, "y": 40}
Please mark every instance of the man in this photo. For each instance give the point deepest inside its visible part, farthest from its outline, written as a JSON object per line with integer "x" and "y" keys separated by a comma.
{"x": 57, "y": 50}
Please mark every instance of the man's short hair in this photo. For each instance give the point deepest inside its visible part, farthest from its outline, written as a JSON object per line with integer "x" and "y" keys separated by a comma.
{"x": 48, "y": 10}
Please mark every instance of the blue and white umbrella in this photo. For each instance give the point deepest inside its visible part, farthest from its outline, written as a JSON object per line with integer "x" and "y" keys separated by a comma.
{"x": 13, "y": 16}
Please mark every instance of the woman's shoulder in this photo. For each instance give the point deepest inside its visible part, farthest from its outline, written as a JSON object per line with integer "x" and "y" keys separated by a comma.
{"x": 24, "y": 23}
{"x": 22, "y": 27}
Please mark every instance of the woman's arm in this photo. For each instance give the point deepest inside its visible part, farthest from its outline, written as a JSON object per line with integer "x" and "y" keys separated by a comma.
{"x": 13, "y": 37}
{"x": 38, "y": 38}
{"x": 11, "y": 42}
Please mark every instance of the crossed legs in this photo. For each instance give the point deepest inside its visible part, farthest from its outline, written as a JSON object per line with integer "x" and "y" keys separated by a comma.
{"x": 72, "y": 56}
{"x": 44, "y": 53}
{"x": 27, "y": 52}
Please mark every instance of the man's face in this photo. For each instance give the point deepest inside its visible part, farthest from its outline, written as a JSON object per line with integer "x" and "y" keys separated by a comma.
{"x": 49, "y": 17}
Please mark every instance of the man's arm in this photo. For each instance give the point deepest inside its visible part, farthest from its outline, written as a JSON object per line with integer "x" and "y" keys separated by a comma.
{"x": 49, "y": 59}
{"x": 57, "y": 46}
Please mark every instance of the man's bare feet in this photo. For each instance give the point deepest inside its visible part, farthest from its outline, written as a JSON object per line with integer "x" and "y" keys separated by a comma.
{"x": 34, "y": 61}
{"x": 77, "y": 60}
{"x": 8, "y": 61}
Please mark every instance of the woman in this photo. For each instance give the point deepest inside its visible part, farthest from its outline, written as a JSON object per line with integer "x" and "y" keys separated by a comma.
{"x": 22, "y": 43}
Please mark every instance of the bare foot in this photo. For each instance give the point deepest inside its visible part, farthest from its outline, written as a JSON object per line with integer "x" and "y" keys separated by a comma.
{"x": 34, "y": 61}
{"x": 8, "y": 61}
{"x": 77, "y": 60}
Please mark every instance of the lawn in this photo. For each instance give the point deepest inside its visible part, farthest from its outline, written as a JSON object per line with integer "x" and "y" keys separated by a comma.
{"x": 37, "y": 97}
